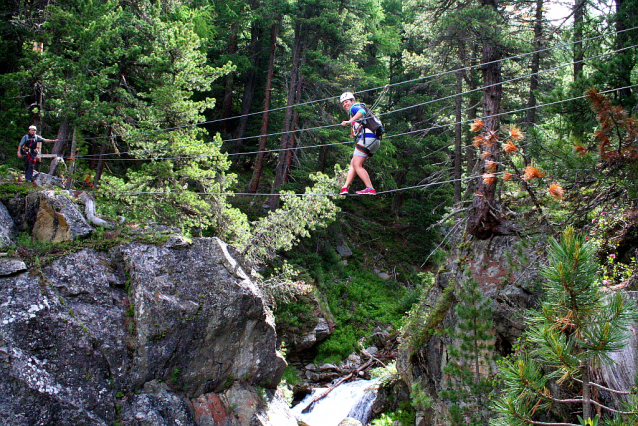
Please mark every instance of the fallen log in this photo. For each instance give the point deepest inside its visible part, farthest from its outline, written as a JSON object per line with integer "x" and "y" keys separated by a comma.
{"x": 90, "y": 212}
{"x": 343, "y": 379}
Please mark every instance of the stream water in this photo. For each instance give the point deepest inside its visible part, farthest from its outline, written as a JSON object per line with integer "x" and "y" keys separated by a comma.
{"x": 351, "y": 399}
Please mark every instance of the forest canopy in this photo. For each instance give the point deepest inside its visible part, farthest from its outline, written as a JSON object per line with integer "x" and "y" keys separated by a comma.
{"x": 172, "y": 109}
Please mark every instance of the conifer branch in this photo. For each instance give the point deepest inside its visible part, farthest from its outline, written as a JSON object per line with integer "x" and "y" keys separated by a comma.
{"x": 625, "y": 413}
{"x": 605, "y": 388}
{"x": 534, "y": 422}
{"x": 577, "y": 321}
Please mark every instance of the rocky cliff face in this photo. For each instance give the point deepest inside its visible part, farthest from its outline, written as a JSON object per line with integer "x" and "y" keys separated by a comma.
{"x": 507, "y": 270}
{"x": 144, "y": 334}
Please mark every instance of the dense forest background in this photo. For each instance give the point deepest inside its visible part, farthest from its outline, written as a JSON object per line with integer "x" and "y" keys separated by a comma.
{"x": 501, "y": 119}
{"x": 143, "y": 90}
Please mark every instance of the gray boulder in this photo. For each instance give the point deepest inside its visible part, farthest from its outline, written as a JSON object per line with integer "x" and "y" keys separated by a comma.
{"x": 349, "y": 421}
{"x": 243, "y": 405}
{"x": 155, "y": 406}
{"x": 45, "y": 179}
{"x": 55, "y": 218}
{"x": 620, "y": 374}
{"x": 10, "y": 266}
{"x": 311, "y": 327}
{"x": 343, "y": 248}
{"x": 198, "y": 303}
{"x": 132, "y": 336}
{"x": 16, "y": 208}
{"x": 7, "y": 227}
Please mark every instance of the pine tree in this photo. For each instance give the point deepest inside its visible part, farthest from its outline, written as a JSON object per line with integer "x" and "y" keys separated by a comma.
{"x": 183, "y": 174}
{"x": 470, "y": 366}
{"x": 578, "y": 326}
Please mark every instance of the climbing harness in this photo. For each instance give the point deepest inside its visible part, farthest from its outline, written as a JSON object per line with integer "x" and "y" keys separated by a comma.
{"x": 365, "y": 150}
{"x": 30, "y": 149}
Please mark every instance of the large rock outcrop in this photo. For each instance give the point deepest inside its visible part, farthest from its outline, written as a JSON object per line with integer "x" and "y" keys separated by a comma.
{"x": 510, "y": 282}
{"x": 57, "y": 218}
{"x": 312, "y": 324}
{"x": 507, "y": 271}
{"x": 48, "y": 216}
{"x": 139, "y": 335}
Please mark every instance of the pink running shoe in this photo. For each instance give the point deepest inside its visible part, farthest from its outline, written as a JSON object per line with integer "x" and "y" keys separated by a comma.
{"x": 367, "y": 191}
{"x": 344, "y": 191}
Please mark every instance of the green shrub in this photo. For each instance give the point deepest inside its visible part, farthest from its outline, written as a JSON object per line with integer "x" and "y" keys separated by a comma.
{"x": 359, "y": 303}
{"x": 406, "y": 417}
{"x": 291, "y": 375}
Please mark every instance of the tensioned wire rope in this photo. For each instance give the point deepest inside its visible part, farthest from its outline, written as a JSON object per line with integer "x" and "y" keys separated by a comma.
{"x": 326, "y": 126}
{"x": 422, "y": 186}
{"x": 436, "y": 126}
{"x": 334, "y": 97}
{"x": 335, "y": 125}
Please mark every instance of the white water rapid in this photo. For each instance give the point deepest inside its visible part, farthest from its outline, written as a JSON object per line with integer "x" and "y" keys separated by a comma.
{"x": 351, "y": 399}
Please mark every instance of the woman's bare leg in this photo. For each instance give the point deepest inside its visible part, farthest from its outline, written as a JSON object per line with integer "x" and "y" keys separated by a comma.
{"x": 351, "y": 174}
{"x": 357, "y": 165}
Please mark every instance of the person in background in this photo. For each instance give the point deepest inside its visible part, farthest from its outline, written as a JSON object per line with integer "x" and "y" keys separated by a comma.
{"x": 367, "y": 144}
{"x": 28, "y": 148}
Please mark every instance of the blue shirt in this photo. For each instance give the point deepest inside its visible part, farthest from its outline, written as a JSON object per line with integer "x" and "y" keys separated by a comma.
{"x": 357, "y": 107}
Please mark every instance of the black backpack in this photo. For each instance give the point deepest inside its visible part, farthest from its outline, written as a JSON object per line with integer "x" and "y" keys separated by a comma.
{"x": 372, "y": 122}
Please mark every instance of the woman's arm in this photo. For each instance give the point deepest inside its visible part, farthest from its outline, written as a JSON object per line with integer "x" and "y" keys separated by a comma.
{"x": 353, "y": 119}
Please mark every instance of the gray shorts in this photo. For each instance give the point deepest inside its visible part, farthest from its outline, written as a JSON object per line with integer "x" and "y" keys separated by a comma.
{"x": 370, "y": 141}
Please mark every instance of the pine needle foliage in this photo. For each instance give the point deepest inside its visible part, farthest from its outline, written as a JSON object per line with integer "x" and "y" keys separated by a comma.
{"x": 577, "y": 328}
{"x": 469, "y": 368}
{"x": 281, "y": 230}
{"x": 617, "y": 134}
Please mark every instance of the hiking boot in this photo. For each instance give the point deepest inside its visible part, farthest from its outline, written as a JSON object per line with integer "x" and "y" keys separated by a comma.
{"x": 344, "y": 191}
{"x": 367, "y": 191}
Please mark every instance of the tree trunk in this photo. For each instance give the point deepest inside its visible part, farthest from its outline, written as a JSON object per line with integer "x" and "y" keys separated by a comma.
{"x": 292, "y": 142}
{"x": 484, "y": 219}
{"x": 228, "y": 95}
{"x": 100, "y": 167}
{"x": 70, "y": 180}
{"x": 323, "y": 156}
{"x": 101, "y": 163}
{"x": 251, "y": 79}
{"x": 458, "y": 135}
{"x": 399, "y": 197}
{"x": 36, "y": 113}
{"x": 579, "y": 15}
{"x": 530, "y": 115}
{"x": 64, "y": 133}
{"x": 493, "y": 90}
{"x": 36, "y": 107}
{"x": 281, "y": 172}
{"x": 586, "y": 392}
{"x": 626, "y": 58}
{"x": 472, "y": 113}
{"x": 259, "y": 164}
